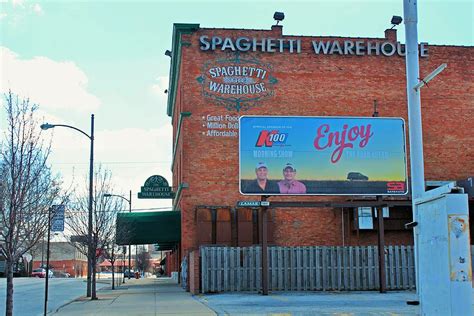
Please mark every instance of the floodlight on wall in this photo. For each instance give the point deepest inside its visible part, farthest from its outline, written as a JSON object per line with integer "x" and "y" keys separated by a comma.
{"x": 168, "y": 53}
{"x": 396, "y": 20}
{"x": 278, "y": 16}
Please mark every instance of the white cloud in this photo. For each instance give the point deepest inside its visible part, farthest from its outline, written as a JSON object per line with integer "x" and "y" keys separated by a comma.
{"x": 37, "y": 9}
{"x": 18, "y": 3}
{"x": 52, "y": 84}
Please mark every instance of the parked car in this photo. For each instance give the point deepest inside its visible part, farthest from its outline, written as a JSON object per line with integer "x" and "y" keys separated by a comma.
{"x": 41, "y": 273}
{"x": 129, "y": 274}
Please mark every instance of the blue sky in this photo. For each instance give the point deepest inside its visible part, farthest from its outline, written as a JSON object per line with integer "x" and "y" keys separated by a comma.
{"x": 75, "y": 58}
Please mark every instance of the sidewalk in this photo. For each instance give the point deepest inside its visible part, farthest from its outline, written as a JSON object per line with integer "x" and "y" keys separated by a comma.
{"x": 333, "y": 303}
{"x": 150, "y": 296}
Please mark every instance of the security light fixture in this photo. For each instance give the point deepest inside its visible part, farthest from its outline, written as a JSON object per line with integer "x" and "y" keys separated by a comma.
{"x": 396, "y": 20}
{"x": 168, "y": 53}
{"x": 278, "y": 16}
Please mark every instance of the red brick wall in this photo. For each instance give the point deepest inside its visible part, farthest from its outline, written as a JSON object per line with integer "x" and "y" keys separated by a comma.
{"x": 171, "y": 262}
{"x": 194, "y": 272}
{"x": 320, "y": 85}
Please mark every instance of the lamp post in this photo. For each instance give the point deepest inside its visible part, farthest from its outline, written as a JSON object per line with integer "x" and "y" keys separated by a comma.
{"x": 91, "y": 175}
{"x": 129, "y": 200}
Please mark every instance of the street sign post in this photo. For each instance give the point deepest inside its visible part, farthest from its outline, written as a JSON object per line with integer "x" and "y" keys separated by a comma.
{"x": 55, "y": 224}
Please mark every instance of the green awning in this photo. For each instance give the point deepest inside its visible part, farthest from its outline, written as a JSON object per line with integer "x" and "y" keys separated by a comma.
{"x": 140, "y": 228}
{"x": 165, "y": 246}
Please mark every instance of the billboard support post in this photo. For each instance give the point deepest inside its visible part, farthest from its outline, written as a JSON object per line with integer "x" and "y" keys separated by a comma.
{"x": 264, "y": 247}
{"x": 381, "y": 246}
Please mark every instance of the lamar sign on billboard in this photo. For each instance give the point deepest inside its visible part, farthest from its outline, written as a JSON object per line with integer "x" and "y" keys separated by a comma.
{"x": 289, "y": 155}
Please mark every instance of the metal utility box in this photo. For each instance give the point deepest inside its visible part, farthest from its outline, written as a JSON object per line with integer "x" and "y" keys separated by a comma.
{"x": 444, "y": 259}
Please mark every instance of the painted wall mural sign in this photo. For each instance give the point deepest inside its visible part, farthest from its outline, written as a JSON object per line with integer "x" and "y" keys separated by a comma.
{"x": 237, "y": 82}
{"x": 223, "y": 125}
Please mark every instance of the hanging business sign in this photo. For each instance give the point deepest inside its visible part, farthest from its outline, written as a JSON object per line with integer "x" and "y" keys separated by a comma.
{"x": 289, "y": 155}
{"x": 156, "y": 187}
{"x": 57, "y": 220}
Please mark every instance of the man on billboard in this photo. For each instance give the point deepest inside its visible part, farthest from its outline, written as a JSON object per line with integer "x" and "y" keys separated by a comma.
{"x": 261, "y": 184}
{"x": 289, "y": 185}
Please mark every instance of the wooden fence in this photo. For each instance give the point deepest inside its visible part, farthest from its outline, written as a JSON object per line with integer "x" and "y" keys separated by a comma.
{"x": 305, "y": 268}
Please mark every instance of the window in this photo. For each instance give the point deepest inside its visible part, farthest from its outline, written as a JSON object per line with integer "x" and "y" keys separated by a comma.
{"x": 366, "y": 221}
{"x": 385, "y": 212}
{"x": 365, "y": 218}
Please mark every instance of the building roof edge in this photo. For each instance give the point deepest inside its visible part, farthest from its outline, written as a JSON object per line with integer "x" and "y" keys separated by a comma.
{"x": 178, "y": 30}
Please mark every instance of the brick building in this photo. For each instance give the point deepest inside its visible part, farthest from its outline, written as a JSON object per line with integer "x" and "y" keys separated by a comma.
{"x": 302, "y": 76}
{"x": 64, "y": 257}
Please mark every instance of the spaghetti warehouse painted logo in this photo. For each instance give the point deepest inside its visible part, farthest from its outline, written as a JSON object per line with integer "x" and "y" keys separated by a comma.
{"x": 237, "y": 83}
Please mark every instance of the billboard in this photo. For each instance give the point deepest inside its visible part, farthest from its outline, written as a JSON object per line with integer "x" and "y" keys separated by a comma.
{"x": 294, "y": 155}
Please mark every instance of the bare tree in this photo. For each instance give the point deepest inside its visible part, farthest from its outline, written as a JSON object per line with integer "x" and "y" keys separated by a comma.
{"x": 112, "y": 251}
{"x": 144, "y": 261}
{"x": 28, "y": 187}
{"x": 103, "y": 223}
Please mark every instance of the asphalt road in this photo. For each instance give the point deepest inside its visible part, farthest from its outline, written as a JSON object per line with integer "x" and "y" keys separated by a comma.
{"x": 28, "y": 294}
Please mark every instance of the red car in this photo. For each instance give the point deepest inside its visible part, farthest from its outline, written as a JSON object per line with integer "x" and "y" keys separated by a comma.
{"x": 41, "y": 273}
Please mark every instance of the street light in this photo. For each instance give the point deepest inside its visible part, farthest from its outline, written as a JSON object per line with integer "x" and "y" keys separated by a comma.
{"x": 91, "y": 175}
{"x": 129, "y": 200}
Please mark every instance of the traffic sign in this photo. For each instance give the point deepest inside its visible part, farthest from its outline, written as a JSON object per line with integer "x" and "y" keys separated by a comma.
{"x": 252, "y": 203}
{"x": 57, "y": 221}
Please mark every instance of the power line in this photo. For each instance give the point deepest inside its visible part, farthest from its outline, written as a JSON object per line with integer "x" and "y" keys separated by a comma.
{"x": 113, "y": 162}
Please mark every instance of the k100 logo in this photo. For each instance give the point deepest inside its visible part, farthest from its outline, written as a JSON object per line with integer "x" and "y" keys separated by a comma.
{"x": 268, "y": 138}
